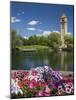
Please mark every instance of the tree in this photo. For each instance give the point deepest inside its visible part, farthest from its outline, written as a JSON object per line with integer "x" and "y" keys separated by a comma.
{"x": 38, "y": 40}
{"x": 33, "y": 40}
{"x": 69, "y": 40}
{"x": 54, "y": 40}
{"x": 25, "y": 41}
{"x": 16, "y": 40}
{"x": 13, "y": 38}
{"x": 43, "y": 40}
{"x": 19, "y": 41}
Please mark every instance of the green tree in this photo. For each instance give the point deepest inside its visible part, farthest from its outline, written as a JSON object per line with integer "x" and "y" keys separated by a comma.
{"x": 33, "y": 40}
{"x": 43, "y": 40}
{"x": 16, "y": 40}
{"x": 13, "y": 38}
{"x": 19, "y": 41}
{"x": 69, "y": 41}
{"x": 38, "y": 40}
{"x": 54, "y": 40}
{"x": 25, "y": 41}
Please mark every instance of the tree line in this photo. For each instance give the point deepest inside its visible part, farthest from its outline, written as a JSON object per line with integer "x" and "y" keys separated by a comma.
{"x": 53, "y": 40}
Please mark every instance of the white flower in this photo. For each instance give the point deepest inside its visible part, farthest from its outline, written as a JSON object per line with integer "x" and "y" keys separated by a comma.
{"x": 30, "y": 77}
{"x": 46, "y": 68}
{"x": 59, "y": 87}
{"x": 39, "y": 69}
{"x": 36, "y": 77}
{"x": 15, "y": 88}
{"x": 68, "y": 90}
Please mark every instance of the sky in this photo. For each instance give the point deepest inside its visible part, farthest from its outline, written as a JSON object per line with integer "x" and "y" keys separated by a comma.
{"x": 39, "y": 19}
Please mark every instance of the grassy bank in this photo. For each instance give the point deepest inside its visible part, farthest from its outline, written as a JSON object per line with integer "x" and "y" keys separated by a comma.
{"x": 33, "y": 48}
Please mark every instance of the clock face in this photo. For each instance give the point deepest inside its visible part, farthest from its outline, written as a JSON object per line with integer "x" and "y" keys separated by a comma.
{"x": 62, "y": 20}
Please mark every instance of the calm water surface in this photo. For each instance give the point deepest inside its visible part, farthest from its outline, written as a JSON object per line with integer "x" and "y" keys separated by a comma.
{"x": 57, "y": 60}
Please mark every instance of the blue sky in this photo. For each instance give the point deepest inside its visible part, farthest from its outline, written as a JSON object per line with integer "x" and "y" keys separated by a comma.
{"x": 34, "y": 18}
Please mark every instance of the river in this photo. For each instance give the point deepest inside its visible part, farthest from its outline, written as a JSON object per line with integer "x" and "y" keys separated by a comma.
{"x": 61, "y": 61}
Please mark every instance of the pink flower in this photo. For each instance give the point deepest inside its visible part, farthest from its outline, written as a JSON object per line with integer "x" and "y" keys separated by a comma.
{"x": 47, "y": 90}
{"x": 34, "y": 73}
{"x": 40, "y": 93}
{"x": 41, "y": 83}
{"x": 31, "y": 85}
{"x": 47, "y": 94}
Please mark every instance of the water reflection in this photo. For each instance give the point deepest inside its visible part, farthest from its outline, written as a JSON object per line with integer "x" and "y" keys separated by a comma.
{"x": 57, "y": 60}
{"x": 63, "y": 64}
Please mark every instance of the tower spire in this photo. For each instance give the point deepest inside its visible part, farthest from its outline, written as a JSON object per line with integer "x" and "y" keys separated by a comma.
{"x": 63, "y": 25}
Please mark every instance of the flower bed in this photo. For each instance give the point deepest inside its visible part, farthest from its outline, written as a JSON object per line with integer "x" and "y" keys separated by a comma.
{"x": 39, "y": 82}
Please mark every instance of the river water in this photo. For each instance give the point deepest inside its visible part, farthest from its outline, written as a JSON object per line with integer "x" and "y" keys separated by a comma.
{"x": 61, "y": 61}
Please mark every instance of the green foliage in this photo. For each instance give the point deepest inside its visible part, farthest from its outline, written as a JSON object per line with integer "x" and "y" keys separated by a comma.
{"x": 54, "y": 91}
{"x": 68, "y": 39}
{"x": 33, "y": 40}
{"x": 54, "y": 40}
{"x": 34, "y": 47}
{"x": 43, "y": 40}
{"x": 36, "y": 40}
{"x": 16, "y": 40}
{"x": 13, "y": 38}
{"x": 25, "y": 41}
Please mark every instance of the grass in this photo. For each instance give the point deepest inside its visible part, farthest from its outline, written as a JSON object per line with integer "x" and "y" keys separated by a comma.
{"x": 32, "y": 48}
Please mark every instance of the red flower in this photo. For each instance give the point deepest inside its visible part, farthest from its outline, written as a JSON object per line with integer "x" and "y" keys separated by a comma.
{"x": 42, "y": 84}
{"x": 20, "y": 84}
{"x": 26, "y": 81}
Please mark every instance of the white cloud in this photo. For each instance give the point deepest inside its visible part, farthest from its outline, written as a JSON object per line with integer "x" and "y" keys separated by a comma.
{"x": 33, "y": 22}
{"x": 31, "y": 29}
{"x": 69, "y": 33}
{"x": 14, "y": 20}
{"x": 44, "y": 33}
{"x": 56, "y": 31}
{"x": 25, "y": 37}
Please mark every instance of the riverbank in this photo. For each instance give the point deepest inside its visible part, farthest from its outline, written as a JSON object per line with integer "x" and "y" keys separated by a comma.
{"x": 33, "y": 48}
